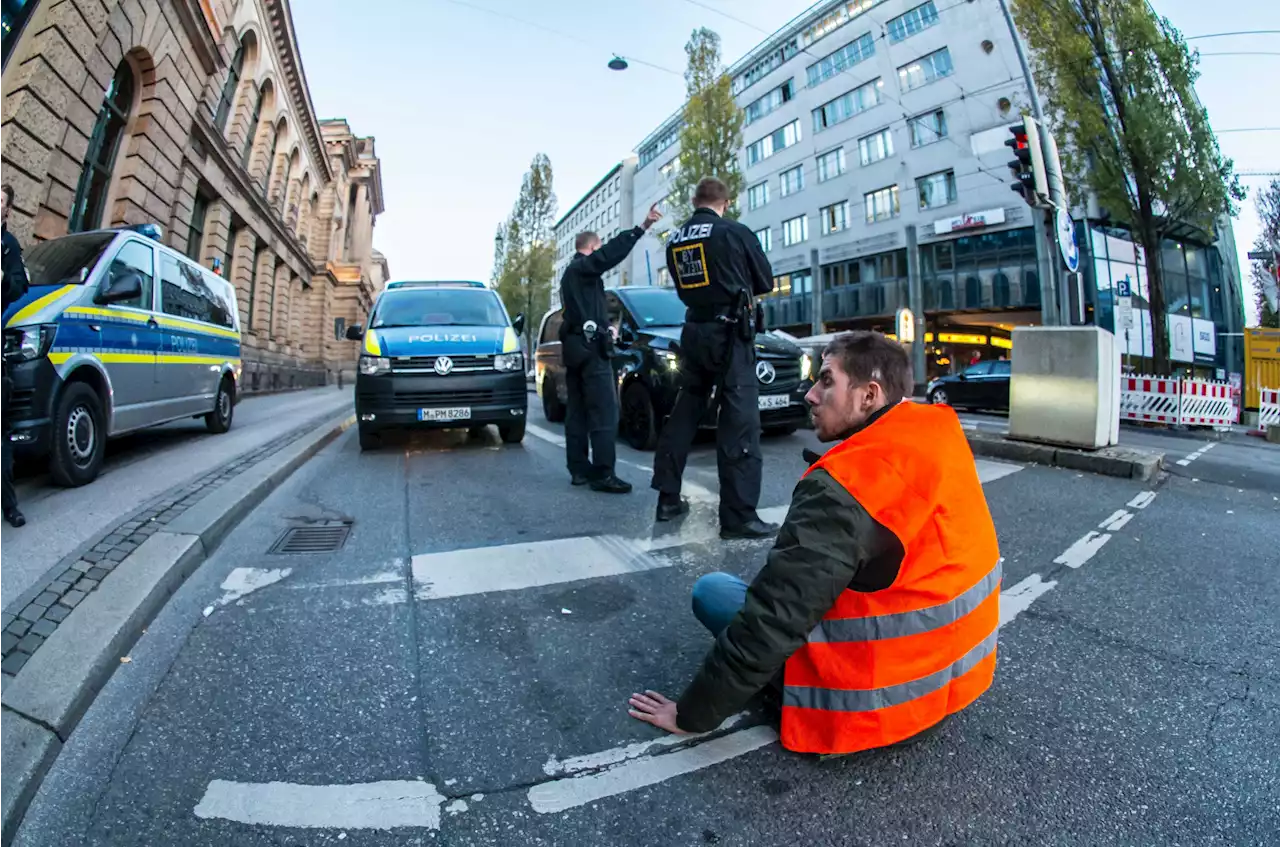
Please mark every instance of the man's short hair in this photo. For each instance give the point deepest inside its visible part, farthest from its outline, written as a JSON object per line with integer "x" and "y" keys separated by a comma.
{"x": 710, "y": 191}
{"x": 867, "y": 356}
{"x": 8, "y": 193}
{"x": 584, "y": 240}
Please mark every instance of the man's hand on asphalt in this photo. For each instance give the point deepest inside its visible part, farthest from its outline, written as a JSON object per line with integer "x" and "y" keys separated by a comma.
{"x": 653, "y": 216}
{"x": 652, "y": 707}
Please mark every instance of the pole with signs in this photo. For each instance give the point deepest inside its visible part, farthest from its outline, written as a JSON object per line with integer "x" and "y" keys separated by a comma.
{"x": 1124, "y": 313}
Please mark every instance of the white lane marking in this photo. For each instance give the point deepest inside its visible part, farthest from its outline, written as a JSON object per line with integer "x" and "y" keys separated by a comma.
{"x": 369, "y": 805}
{"x": 615, "y": 755}
{"x": 1197, "y": 454}
{"x": 1142, "y": 501}
{"x": 242, "y": 582}
{"x": 573, "y": 791}
{"x": 1017, "y": 599}
{"x": 1115, "y": 516}
{"x": 381, "y": 578}
{"x": 989, "y": 471}
{"x": 1083, "y": 550}
{"x": 1119, "y": 523}
{"x": 544, "y": 434}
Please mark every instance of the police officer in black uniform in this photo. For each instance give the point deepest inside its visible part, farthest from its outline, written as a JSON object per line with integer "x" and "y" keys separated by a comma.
{"x": 15, "y": 288}
{"x": 586, "y": 344}
{"x": 718, "y": 266}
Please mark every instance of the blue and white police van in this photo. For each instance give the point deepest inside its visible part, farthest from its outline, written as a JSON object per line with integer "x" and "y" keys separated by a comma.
{"x": 438, "y": 355}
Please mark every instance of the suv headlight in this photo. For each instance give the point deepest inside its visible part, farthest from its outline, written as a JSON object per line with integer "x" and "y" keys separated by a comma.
{"x": 27, "y": 343}
{"x": 806, "y": 367}
{"x": 509, "y": 361}
{"x": 668, "y": 358}
{"x": 374, "y": 365}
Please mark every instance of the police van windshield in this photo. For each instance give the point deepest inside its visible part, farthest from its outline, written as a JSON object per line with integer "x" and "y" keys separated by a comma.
{"x": 656, "y": 307}
{"x": 61, "y": 261}
{"x": 439, "y": 307}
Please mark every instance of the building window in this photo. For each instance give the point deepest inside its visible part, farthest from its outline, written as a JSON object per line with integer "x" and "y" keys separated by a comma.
{"x": 195, "y": 234}
{"x": 936, "y": 189}
{"x": 927, "y": 128}
{"x": 670, "y": 168}
{"x": 831, "y": 165}
{"x": 791, "y": 181}
{"x": 757, "y": 109}
{"x": 846, "y": 57}
{"x": 757, "y": 196}
{"x": 834, "y": 218}
{"x": 765, "y": 237}
{"x": 925, "y": 70}
{"x": 836, "y": 18}
{"x": 134, "y": 258}
{"x": 229, "y": 89}
{"x": 877, "y": 146}
{"x": 795, "y": 230}
{"x": 780, "y": 139}
{"x": 847, "y": 105}
{"x": 882, "y": 204}
{"x": 912, "y": 22}
{"x": 254, "y": 119}
{"x": 764, "y": 67}
{"x": 104, "y": 145}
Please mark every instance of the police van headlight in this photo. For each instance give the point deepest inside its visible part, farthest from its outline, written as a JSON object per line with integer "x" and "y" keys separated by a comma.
{"x": 509, "y": 361}
{"x": 374, "y": 365}
{"x": 806, "y": 367}
{"x": 28, "y": 343}
{"x": 668, "y": 358}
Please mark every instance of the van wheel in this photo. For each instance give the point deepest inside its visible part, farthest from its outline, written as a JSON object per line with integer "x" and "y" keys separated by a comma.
{"x": 552, "y": 409}
{"x": 512, "y": 433}
{"x": 639, "y": 421}
{"x": 369, "y": 440}
{"x": 79, "y": 437}
{"x": 219, "y": 420}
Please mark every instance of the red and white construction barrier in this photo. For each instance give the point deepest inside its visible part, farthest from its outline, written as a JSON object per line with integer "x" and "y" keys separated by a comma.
{"x": 1188, "y": 402}
{"x": 1206, "y": 403}
{"x": 1268, "y": 408}
{"x": 1149, "y": 398}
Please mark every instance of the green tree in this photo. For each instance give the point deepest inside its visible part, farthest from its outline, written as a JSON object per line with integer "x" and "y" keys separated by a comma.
{"x": 524, "y": 248}
{"x": 1266, "y": 276}
{"x": 1120, "y": 84}
{"x": 711, "y": 137}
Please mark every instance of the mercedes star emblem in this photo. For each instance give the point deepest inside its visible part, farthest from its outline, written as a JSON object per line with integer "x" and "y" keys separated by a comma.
{"x": 444, "y": 365}
{"x": 765, "y": 372}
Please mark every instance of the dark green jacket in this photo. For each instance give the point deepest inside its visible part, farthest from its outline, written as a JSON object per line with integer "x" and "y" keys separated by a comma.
{"x": 828, "y": 543}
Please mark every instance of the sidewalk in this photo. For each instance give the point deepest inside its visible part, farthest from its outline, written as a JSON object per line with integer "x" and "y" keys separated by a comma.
{"x": 64, "y": 522}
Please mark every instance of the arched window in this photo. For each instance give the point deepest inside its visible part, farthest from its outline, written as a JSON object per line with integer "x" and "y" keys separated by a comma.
{"x": 254, "y": 119}
{"x": 229, "y": 89}
{"x": 104, "y": 144}
{"x": 271, "y": 158}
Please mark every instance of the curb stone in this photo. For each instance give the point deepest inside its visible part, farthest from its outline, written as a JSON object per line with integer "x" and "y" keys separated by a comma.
{"x": 1125, "y": 462}
{"x": 45, "y": 701}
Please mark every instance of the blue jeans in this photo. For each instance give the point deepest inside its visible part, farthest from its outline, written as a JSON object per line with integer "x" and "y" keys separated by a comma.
{"x": 717, "y": 599}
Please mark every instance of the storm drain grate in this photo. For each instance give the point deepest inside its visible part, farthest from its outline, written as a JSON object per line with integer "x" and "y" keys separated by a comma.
{"x": 317, "y": 538}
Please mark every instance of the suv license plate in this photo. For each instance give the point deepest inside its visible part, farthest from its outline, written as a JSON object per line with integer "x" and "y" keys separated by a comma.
{"x": 459, "y": 414}
{"x": 775, "y": 401}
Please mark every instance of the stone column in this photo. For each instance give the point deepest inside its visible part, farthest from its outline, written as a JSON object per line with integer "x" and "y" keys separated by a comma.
{"x": 260, "y": 306}
{"x": 217, "y": 229}
{"x": 363, "y": 233}
{"x": 242, "y": 270}
{"x": 280, "y": 304}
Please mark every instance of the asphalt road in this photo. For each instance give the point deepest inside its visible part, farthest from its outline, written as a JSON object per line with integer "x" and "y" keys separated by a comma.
{"x": 431, "y": 678}
{"x": 139, "y": 467}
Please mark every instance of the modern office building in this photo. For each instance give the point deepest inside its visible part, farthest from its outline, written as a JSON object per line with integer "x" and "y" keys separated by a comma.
{"x": 874, "y": 152}
{"x": 607, "y": 209}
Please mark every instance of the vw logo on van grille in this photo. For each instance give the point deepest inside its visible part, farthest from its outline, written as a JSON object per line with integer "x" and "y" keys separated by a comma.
{"x": 765, "y": 372}
{"x": 444, "y": 365}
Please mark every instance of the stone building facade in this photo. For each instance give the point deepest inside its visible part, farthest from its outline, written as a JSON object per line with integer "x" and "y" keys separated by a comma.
{"x": 196, "y": 115}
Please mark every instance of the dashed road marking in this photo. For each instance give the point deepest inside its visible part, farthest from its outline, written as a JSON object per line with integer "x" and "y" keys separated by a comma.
{"x": 1084, "y": 549}
{"x": 1197, "y": 454}
{"x": 1142, "y": 501}
{"x": 369, "y": 805}
{"x": 1017, "y": 599}
{"x": 242, "y": 582}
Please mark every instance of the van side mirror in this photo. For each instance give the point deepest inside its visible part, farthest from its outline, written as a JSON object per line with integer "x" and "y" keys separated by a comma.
{"x": 518, "y": 323}
{"x": 127, "y": 286}
{"x": 355, "y": 332}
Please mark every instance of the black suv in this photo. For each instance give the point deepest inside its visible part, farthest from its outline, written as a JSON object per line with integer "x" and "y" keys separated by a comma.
{"x": 649, "y": 321}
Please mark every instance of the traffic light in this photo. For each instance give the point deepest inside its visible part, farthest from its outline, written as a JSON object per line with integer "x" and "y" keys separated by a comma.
{"x": 1028, "y": 168}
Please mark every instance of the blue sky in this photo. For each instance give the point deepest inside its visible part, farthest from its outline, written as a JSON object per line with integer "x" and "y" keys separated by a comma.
{"x": 461, "y": 99}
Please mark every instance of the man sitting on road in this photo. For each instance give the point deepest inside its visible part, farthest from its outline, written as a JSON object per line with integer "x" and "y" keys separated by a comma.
{"x": 875, "y": 615}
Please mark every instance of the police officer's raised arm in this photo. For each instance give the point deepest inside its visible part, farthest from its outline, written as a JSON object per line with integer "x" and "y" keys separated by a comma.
{"x": 617, "y": 248}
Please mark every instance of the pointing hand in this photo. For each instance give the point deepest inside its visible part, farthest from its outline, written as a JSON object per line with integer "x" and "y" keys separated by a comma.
{"x": 653, "y": 216}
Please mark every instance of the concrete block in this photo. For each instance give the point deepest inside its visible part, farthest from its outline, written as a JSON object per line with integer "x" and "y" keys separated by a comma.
{"x": 998, "y": 447}
{"x": 29, "y": 750}
{"x": 1273, "y": 433}
{"x": 58, "y": 683}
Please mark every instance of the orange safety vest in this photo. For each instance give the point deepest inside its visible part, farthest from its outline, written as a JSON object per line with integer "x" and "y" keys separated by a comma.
{"x": 882, "y": 666}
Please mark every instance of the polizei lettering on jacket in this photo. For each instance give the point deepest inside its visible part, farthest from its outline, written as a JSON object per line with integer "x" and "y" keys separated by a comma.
{"x": 444, "y": 337}
{"x": 690, "y": 232}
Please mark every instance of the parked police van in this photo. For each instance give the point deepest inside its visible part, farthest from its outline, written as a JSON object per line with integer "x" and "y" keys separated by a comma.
{"x": 117, "y": 332}
{"x": 440, "y": 354}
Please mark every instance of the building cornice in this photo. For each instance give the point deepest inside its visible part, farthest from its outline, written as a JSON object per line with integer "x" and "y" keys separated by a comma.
{"x": 280, "y": 18}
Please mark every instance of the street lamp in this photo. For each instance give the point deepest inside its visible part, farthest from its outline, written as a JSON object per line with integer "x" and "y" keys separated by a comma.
{"x": 617, "y": 63}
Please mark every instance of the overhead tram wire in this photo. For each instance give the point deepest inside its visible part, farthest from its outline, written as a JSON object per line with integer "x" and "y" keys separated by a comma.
{"x": 559, "y": 33}
{"x": 1229, "y": 34}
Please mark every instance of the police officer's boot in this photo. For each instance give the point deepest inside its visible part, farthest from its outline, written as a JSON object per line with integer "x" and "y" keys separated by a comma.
{"x": 670, "y": 507}
{"x": 14, "y": 517}
{"x": 611, "y": 484}
{"x": 751, "y": 529}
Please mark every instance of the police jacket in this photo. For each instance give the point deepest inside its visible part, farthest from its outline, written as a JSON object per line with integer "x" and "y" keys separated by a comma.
{"x": 880, "y": 598}
{"x": 581, "y": 286}
{"x": 711, "y": 259}
{"x": 15, "y": 272}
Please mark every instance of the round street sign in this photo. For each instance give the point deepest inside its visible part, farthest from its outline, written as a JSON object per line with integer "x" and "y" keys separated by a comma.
{"x": 1067, "y": 241}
